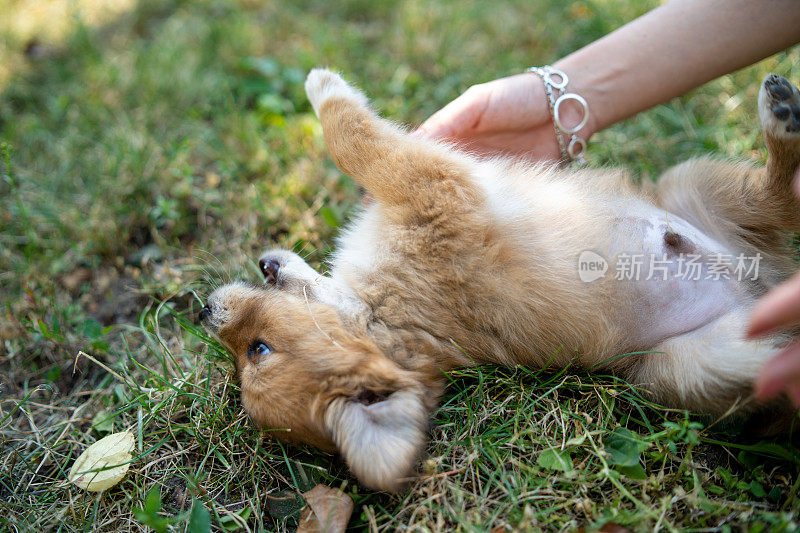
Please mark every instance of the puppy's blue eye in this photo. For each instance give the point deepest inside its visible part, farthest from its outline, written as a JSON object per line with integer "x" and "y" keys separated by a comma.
{"x": 259, "y": 348}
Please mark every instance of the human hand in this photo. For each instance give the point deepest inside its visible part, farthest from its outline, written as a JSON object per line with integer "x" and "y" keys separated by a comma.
{"x": 779, "y": 308}
{"x": 508, "y": 115}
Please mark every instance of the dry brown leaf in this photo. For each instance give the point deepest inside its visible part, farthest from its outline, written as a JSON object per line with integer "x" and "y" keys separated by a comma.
{"x": 328, "y": 511}
{"x": 103, "y": 464}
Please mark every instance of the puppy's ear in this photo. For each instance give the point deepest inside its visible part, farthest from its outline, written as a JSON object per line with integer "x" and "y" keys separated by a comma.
{"x": 380, "y": 435}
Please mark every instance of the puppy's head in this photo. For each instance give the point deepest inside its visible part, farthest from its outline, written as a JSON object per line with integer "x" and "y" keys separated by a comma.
{"x": 303, "y": 375}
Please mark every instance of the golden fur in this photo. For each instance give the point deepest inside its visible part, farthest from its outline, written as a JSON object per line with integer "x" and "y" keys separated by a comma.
{"x": 462, "y": 261}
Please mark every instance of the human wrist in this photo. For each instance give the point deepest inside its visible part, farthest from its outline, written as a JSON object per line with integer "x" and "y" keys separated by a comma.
{"x": 594, "y": 86}
{"x": 569, "y": 113}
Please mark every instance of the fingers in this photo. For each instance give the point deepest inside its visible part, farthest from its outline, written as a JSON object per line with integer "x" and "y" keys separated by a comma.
{"x": 781, "y": 374}
{"x": 457, "y": 118}
{"x": 779, "y": 308}
{"x": 504, "y": 106}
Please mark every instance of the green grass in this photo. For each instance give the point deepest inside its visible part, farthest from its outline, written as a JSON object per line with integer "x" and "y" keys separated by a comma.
{"x": 157, "y": 154}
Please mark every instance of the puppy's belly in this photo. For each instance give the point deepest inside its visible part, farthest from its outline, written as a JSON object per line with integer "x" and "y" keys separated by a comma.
{"x": 662, "y": 276}
{"x": 678, "y": 279}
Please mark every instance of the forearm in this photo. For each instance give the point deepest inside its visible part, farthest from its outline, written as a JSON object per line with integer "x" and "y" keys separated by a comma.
{"x": 675, "y": 48}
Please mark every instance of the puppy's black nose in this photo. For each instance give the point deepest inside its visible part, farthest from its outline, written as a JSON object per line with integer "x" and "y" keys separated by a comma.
{"x": 205, "y": 312}
{"x": 269, "y": 267}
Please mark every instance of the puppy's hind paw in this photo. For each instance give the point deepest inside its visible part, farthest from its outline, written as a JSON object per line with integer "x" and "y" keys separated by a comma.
{"x": 322, "y": 84}
{"x": 779, "y": 106}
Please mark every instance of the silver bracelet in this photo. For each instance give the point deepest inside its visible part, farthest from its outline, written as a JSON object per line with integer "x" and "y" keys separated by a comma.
{"x": 555, "y": 81}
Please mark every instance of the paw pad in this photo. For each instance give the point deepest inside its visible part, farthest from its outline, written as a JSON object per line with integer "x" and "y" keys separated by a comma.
{"x": 783, "y": 100}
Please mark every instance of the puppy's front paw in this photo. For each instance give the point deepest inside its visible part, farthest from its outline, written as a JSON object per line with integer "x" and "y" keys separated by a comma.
{"x": 779, "y": 106}
{"x": 322, "y": 84}
{"x": 287, "y": 270}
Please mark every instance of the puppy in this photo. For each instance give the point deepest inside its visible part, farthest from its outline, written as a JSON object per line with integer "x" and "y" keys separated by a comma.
{"x": 462, "y": 261}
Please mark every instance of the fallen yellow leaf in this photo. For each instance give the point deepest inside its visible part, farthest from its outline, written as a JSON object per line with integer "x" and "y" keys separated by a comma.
{"x": 103, "y": 464}
{"x": 328, "y": 511}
